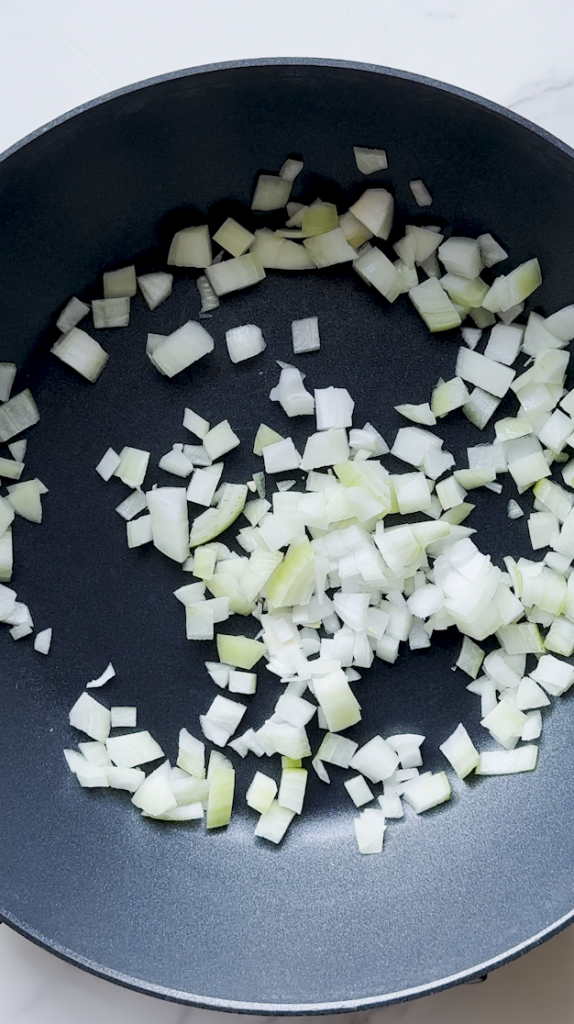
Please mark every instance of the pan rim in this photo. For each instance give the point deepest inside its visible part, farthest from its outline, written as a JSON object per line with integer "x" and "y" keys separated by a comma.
{"x": 267, "y": 1008}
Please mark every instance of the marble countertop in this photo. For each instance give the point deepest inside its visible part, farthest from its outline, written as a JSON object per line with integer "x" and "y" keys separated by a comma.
{"x": 56, "y": 55}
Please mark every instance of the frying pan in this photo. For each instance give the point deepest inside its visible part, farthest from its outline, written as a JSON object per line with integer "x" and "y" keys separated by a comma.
{"x": 220, "y": 919}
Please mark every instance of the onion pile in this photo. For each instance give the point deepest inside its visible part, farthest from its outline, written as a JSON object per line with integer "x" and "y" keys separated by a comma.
{"x": 330, "y": 584}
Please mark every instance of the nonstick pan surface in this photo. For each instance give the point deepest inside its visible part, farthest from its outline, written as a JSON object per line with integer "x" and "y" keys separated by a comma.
{"x": 223, "y": 920}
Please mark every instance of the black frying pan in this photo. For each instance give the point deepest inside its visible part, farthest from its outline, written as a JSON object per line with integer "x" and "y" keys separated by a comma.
{"x": 222, "y": 920}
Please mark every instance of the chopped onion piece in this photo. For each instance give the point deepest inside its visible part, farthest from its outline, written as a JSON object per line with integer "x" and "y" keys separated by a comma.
{"x": 337, "y": 700}
{"x": 120, "y": 283}
{"x": 420, "y": 192}
{"x": 239, "y": 651}
{"x": 191, "y": 247}
{"x": 195, "y": 423}
{"x": 461, "y": 752}
{"x": 213, "y": 521}
{"x": 359, "y": 791}
{"x": 333, "y": 408}
{"x": 132, "y": 505}
{"x": 461, "y": 256}
{"x": 129, "y": 779}
{"x": 554, "y": 675}
{"x": 281, "y": 456}
{"x": 233, "y": 237}
{"x": 105, "y": 677}
{"x": 290, "y": 170}
{"x": 271, "y": 193}
{"x": 169, "y": 521}
{"x": 91, "y": 717}
{"x": 202, "y": 487}
{"x": 7, "y": 376}
{"x": 25, "y": 500}
{"x": 132, "y": 466}
{"x": 561, "y": 324}
{"x": 504, "y": 343}
{"x": 305, "y": 334}
{"x": 427, "y": 791}
{"x": 292, "y": 789}
{"x": 288, "y": 739}
{"x": 507, "y": 762}
{"x": 235, "y": 274}
{"x": 325, "y": 448}
{"x": 318, "y": 219}
{"x": 418, "y": 413}
{"x": 295, "y": 710}
{"x": 291, "y": 394}
{"x": 447, "y": 396}
{"x": 81, "y": 353}
{"x": 560, "y": 637}
{"x": 471, "y": 336}
{"x": 483, "y": 372}
{"x": 12, "y": 469}
{"x": 108, "y": 464}
{"x": 180, "y": 349}
{"x": 337, "y": 750}
{"x": 96, "y": 753}
{"x": 155, "y": 288}
{"x": 106, "y": 313}
{"x": 133, "y": 749}
{"x": 72, "y": 313}
{"x": 491, "y": 252}
{"x": 532, "y": 727}
{"x": 369, "y": 830}
{"x": 376, "y": 760}
{"x": 124, "y": 717}
{"x": 450, "y": 492}
{"x": 274, "y": 823}
{"x": 191, "y": 755}
{"x": 464, "y": 292}
{"x": 329, "y": 248}
{"x": 154, "y": 796}
{"x": 426, "y": 242}
{"x": 261, "y": 792}
{"x": 377, "y": 270}
{"x": 244, "y": 342}
{"x": 514, "y": 510}
{"x": 470, "y": 658}
{"x": 375, "y": 210}
{"x": 530, "y": 695}
{"x": 514, "y": 288}
{"x": 370, "y": 160}
{"x": 18, "y": 450}
{"x": 43, "y": 640}
{"x": 139, "y": 532}
{"x": 505, "y": 721}
{"x": 355, "y": 232}
{"x": 434, "y": 306}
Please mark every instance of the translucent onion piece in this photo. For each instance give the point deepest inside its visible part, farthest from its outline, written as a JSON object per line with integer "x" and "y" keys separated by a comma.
{"x": 81, "y": 353}
{"x": 91, "y": 717}
{"x": 106, "y": 313}
{"x": 72, "y": 313}
{"x": 133, "y": 749}
{"x": 120, "y": 283}
{"x": 155, "y": 288}
{"x": 370, "y": 160}
{"x": 191, "y": 247}
{"x": 182, "y": 348}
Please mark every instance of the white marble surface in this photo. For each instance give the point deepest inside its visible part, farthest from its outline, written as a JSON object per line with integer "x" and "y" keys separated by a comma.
{"x": 55, "y": 54}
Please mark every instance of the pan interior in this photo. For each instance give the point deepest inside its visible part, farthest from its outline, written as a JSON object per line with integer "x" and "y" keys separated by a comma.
{"x": 222, "y": 919}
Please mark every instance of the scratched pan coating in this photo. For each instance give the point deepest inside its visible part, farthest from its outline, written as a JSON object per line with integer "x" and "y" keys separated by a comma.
{"x": 223, "y": 920}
